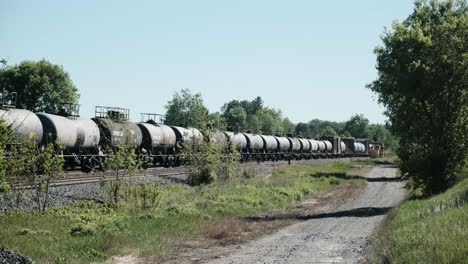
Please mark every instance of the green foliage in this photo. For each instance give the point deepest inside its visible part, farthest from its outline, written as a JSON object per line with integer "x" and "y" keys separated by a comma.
{"x": 187, "y": 110}
{"x": 236, "y": 117}
{"x": 146, "y": 195}
{"x": 40, "y": 86}
{"x": 216, "y": 121}
{"x": 50, "y": 167}
{"x": 302, "y": 129}
{"x": 267, "y": 121}
{"x": 120, "y": 164}
{"x": 422, "y": 82}
{"x": 209, "y": 162}
{"x": 5, "y": 137}
{"x": 357, "y": 126}
{"x": 432, "y": 230}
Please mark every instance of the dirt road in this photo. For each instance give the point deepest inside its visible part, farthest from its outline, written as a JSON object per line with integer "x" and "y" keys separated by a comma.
{"x": 330, "y": 235}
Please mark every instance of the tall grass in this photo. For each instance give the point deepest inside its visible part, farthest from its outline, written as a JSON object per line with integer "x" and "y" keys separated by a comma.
{"x": 432, "y": 230}
{"x": 87, "y": 231}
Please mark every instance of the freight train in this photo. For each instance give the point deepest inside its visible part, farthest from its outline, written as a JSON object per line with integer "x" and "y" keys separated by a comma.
{"x": 86, "y": 140}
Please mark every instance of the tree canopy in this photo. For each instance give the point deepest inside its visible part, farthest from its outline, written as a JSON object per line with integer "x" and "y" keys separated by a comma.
{"x": 40, "y": 85}
{"x": 422, "y": 81}
{"x": 187, "y": 110}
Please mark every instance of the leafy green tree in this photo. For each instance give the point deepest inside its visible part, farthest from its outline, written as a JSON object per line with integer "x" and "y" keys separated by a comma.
{"x": 346, "y": 134}
{"x": 40, "y": 85}
{"x": 236, "y": 118}
{"x": 302, "y": 129}
{"x": 422, "y": 81}
{"x": 357, "y": 126}
{"x": 288, "y": 126}
{"x": 328, "y": 131}
{"x": 267, "y": 121}
{"x": 187, "y": 110}
{"x": 216, "y": 121}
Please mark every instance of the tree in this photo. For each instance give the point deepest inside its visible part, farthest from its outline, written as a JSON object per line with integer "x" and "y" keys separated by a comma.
{"x": 236, "y": 118}
{"x": 216, "y": 121}
{"x": 422, "y": 82}
{"x": 288, "y": 126}
{"x": 328, "y": 131}
{"x": 267, "y": 121}
{"x": 40, "y": 86}
{"x": 187, "y": 110}
{"x": 357, "y": 126}
{"x": 302, "y": 129}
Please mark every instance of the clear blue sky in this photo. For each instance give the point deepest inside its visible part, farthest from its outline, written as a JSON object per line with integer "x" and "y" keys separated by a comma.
{"x": 311, "y": 59}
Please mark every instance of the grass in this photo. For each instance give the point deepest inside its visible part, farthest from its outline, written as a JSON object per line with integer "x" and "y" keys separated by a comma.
{"x": 433, "y": 230}
{"x": 87, "y": 232}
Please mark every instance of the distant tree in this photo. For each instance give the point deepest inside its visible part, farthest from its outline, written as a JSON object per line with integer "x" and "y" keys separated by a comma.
{"x": 346, "y": 134}
{"x": 236, "y": 118}
{"x": 187, "y": 110}
{"x": 302, "y": 129}
{"x": 40, "y": 85}
{"x": 380, "y": 133}
{"x": 267, "y": 121}
{"x": 328, "y": 131}
{"x": 357, "y": 126}
{"x": 288, "y": 126}
{"x": 422, "y": 82}
{"x": 216, "y": 121}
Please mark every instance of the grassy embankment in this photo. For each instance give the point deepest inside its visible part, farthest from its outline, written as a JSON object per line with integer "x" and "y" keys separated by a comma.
{"x": 89, "y": 232}
{"x": 433, "y": 230}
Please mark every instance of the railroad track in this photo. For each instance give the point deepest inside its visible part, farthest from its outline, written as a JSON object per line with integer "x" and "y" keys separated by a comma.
{"x": 72, "y": 179}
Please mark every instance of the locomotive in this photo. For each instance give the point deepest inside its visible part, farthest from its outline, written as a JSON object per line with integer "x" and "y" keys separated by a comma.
{"x": 86, "y": 141}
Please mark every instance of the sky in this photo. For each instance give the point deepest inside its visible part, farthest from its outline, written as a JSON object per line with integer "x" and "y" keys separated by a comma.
{"x": 310, "y": 59}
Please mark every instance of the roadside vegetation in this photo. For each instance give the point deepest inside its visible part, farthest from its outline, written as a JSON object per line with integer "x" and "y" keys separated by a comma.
{"x": 422, "y": 83}
{"x": 431, "y": 230}
{"x": 171, "y": 214}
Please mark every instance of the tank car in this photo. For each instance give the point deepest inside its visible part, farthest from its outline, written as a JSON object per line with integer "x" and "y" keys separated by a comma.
{"x": 295, "y": 148}
{"x": 238, "y": 140}
{"x": 159, "y": 141}
{"x": 255, "y": 146}
{"x": 306, "y": 146}
{"x": 79, "y": 139}
{"x": 271, "y": 147}
{"x": 187, "y": 135}
{"x": 25, "y": 124}
{"x": 115, "y": 133}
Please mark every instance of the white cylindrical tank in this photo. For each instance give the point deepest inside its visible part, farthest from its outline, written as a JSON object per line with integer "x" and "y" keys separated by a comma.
{"x": 25, "y": 124}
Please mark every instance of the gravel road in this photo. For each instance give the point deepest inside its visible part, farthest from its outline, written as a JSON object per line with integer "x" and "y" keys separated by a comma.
{"x": 339, "y": 235}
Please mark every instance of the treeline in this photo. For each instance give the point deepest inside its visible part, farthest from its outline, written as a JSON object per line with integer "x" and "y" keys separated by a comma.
{"x": 188, "y": 109}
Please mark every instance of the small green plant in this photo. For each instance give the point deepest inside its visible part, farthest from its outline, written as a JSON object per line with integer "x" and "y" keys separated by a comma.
{"x": 211, "y": 161}
{"x": 146, "y": 195}
{"x": 121, "y": 163}
{"x": 50, "y": 167}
